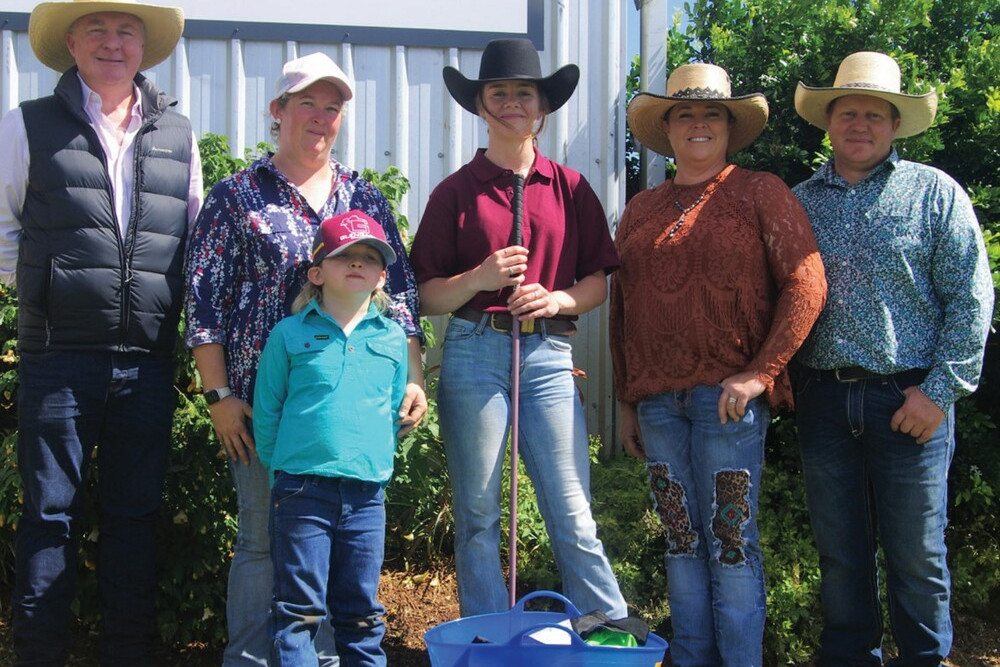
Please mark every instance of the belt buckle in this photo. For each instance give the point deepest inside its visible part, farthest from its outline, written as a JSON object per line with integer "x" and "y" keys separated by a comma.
{"x": 836, "y": 374}
{"x": 493, "y": 324}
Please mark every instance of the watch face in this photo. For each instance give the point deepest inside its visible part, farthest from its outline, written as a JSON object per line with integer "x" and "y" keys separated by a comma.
{"x": 215, "y": 395}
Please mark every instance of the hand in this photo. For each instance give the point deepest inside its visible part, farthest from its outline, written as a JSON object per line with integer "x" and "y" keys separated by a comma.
{"x": 628, "y": 431}
{"x": 529, "y": 302}
{"x": 743, "y": 387}
{"x": 412, "y": 410}
{"x": 919, "y": 416}
{"x": 230, "y": 418}
{"x": 504, "y": 268}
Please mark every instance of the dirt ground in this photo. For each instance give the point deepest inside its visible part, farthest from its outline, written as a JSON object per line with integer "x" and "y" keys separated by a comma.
{"x": 416, "y": 603}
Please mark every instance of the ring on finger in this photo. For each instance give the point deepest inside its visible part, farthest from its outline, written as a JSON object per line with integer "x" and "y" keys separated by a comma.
{"x": 732, "y": 400}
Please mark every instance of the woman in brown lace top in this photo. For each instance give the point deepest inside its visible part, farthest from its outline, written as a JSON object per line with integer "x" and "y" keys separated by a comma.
{"x": 720, "y": 283}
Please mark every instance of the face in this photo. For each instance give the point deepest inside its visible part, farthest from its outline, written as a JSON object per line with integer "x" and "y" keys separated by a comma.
{"x": 698, "y": 131}
{"x": 309, "y": 121}
{"x": 861, "y": 129}
{"x": 107, "y": 47}
{"x": 357, "y": 271}
{"x": 511, "y": 107}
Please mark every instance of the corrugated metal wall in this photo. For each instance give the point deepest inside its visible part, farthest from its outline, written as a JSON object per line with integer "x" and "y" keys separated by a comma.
{"x": 402, "y": 115}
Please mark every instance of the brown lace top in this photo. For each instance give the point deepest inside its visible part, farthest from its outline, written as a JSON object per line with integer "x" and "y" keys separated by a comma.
{"x": 716, "y": 278}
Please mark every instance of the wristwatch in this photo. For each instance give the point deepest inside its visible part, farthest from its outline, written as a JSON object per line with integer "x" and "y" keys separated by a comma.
{"x": 213, "y": 396}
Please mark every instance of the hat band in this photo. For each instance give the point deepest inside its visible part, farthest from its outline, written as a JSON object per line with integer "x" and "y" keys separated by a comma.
{"x": 865, "y": 84}
{"x": 700, "y": 93}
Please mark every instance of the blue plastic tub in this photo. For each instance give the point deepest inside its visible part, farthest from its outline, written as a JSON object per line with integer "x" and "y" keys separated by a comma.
{"x": 511, "y": 643}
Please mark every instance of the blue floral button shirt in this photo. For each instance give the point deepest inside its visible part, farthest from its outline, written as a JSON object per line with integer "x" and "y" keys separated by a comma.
{"x": 249, "y": 253}
{"x": 909, "y": 280}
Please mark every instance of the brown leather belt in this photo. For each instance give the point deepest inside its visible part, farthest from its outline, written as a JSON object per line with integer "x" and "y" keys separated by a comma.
{"x": 503, "y": 322}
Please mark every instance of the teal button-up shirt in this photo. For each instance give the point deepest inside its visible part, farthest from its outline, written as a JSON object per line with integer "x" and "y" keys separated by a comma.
{"x": 909, "y": 283}
{"x": 325, "y": 403}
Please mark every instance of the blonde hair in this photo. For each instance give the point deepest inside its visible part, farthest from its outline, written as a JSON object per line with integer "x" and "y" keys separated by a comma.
{"x": 310, "y": 291}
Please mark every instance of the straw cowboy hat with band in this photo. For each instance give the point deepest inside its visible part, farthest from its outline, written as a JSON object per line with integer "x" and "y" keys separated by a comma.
{"x": 696, "y": 82}
{"x": 873, "y": 74}
{"x": 50, "y": 21}
{"x": 512, "y": 59}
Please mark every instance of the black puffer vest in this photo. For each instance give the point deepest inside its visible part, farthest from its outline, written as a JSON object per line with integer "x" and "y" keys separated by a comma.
{"x": 80, "y": 286}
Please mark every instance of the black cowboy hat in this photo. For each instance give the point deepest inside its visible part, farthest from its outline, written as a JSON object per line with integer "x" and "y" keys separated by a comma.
{"x": 506, "y": 59}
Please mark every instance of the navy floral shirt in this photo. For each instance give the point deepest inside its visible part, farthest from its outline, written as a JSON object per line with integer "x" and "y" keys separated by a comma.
{"x": 249, "y": 253}
{"x": 909, "y": 280}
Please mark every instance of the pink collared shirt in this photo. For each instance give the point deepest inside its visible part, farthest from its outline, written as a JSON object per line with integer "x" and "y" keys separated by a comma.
{"x": 14, "y": 173}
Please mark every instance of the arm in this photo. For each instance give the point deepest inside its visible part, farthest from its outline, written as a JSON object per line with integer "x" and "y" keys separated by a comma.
{"x": 414, "y": 404}
{"x": 401, "y": 285}
{"x": 195, "y": 184}
{"x": 269, "y": 394}
{"x": 501, "y": 269}
{"x": 964, "y": 287}
{"x": 533, "y": 301}
{"x": 795, "y": 266}
{"x": 13, "y": 189}
{"x": 230, "y": 415}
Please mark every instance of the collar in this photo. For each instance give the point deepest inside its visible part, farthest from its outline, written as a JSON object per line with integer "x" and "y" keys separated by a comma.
{"x": 92, "y": 99}
{"x": 312, "y": 308}
{"x": 266, "y": 164}
{"x": 486, "y": 171}
{"x": 828, "y": 174}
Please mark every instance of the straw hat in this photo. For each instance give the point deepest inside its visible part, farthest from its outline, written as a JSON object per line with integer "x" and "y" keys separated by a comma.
{"x": 505, "y": 59}
{"x": 696, "y": 82}
{"x": 50, "y": 21}
{"x": 874, "y": 74}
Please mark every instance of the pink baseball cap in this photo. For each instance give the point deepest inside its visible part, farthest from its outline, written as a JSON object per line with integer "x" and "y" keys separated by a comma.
{"x": 299, "y": 74}
{"x": 337, "y": 234}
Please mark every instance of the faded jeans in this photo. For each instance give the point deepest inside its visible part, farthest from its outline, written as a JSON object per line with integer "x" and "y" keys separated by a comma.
{"x": 474, "y": 402}
{"x": 705, "y": 479}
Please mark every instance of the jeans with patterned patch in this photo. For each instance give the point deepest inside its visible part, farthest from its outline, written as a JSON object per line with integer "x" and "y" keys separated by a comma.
{"x": 705, "y": 477}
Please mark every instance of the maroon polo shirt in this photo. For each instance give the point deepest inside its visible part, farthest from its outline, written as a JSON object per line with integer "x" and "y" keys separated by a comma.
{"x": 468, "y": 216}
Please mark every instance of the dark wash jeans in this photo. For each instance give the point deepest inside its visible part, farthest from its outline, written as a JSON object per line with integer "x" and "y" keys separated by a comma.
{"x": 68, "y": 404}
{"x": 869, "y": 487}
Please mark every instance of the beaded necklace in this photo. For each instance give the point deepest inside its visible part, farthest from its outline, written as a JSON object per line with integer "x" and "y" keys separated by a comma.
{"x": 709, "y": 189}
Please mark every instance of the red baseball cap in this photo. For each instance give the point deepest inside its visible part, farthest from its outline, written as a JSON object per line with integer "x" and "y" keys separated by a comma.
{"x": 337, "y": 234}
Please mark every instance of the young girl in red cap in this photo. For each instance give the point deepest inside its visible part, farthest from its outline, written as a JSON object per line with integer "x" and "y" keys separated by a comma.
{"x": 330, "y": 380}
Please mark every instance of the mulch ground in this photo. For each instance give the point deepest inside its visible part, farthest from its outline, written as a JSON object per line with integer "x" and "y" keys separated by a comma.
{"x": 417, "y": 602}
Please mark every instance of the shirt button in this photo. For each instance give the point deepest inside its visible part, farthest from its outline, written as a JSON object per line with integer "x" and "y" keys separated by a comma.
{"x": 350, "y": 348}
{"x": 307, "y": 344}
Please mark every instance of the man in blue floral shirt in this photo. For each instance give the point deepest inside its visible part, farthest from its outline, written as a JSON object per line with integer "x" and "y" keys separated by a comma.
{"x": 900, "y": 340}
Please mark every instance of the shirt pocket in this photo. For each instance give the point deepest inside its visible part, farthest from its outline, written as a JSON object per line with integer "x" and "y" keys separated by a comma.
{"x": 384, "y": 361}
{"x": 316, "y": 364}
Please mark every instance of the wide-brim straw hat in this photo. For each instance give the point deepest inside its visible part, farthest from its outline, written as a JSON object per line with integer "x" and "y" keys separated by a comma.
{"x": 696, "y": 82}
{"x": 512, "y": 59}
{"x": 873, "y": 74}
{"x": 50, "y": 21}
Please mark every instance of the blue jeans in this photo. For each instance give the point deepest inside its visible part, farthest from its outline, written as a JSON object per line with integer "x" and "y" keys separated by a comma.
{"x": 70, "y": 403}
{"x": 327, "y": 546}
{"x": 251, "y": 576}
{"x": 705, "y": 479}
{"x": 867, "y": 486}
{"x": 474, "y": 404}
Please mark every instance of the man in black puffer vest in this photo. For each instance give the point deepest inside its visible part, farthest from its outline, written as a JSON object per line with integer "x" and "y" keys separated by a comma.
{"x": 98, "y": 187}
